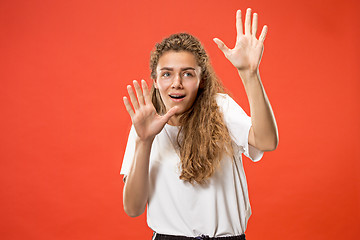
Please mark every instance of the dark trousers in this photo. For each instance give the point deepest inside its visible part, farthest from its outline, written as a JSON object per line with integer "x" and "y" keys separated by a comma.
{"x": 204, "y": 237}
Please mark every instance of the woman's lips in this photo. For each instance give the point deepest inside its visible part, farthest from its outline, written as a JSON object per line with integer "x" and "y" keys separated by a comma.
{"x": 177, "y": 97}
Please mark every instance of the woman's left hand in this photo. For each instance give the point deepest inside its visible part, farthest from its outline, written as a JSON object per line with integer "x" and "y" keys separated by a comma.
{"x": 246, "y": 54}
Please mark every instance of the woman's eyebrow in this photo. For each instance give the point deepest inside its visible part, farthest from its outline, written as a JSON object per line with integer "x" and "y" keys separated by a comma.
{"x": 166, "y": 68}
{"x": 187, "y": 68}
{"x": 182, "y": 69}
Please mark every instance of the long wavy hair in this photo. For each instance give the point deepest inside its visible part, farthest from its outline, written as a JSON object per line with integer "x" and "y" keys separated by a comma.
{"x": 203, "y": 136}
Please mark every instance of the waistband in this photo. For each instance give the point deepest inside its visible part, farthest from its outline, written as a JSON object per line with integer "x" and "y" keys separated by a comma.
{"x": 159, "y": 236}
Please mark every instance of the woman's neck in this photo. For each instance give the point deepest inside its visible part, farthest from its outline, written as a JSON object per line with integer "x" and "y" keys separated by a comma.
{"x": 174, "y": 120}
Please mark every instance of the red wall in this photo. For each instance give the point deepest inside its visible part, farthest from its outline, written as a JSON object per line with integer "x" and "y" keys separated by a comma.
{"x": 64, "y": 70}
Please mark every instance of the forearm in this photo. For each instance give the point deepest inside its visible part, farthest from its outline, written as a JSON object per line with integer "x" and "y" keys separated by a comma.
{"x": 136, "y": 187}
{"x": 262, "y": 116}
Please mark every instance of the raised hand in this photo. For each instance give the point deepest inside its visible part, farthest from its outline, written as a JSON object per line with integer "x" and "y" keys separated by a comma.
{"x": 144, "y": 117}
{"x": 246, "y": 54}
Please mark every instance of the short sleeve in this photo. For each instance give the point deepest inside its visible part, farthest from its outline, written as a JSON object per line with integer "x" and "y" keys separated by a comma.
{"x": 238, "y": 124}
{"x": 129, "y": 152}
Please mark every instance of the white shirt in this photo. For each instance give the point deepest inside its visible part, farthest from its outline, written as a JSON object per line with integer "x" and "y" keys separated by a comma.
{"x": 218, "y": 209}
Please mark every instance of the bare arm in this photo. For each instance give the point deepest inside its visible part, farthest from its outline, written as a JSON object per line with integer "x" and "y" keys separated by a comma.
{"x": 136, "y": 187}
{"x": 263, "y": 133}
{"x": 246, "y": 57}
{"x": 147, "y": 124}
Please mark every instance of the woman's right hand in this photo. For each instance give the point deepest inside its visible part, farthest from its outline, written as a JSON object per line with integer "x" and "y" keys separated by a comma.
{"x": 144, "y": 117}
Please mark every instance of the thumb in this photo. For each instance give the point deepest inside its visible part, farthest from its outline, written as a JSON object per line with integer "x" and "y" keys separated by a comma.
{"x": 221, "y": 45}
{"x": 170, "y": 113}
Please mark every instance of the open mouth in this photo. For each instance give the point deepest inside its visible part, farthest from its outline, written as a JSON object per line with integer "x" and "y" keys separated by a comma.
{"x": 177, "y": 96}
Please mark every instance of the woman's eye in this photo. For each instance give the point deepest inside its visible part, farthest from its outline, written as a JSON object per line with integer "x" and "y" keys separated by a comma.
{"x": 166, "y": 74}
{"x": 187, "y": 74}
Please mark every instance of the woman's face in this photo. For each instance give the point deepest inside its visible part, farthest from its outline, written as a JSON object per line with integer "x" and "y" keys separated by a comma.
{"x": 178, "y": 79}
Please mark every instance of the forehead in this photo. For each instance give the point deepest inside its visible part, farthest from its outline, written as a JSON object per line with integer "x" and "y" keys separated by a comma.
{"x": 180, "y": 59}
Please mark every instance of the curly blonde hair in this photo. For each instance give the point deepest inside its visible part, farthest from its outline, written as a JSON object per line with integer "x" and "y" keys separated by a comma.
{"x": 203, "y": 136}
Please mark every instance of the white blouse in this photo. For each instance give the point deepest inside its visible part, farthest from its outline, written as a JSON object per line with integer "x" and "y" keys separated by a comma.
{"x": 220, "y": 208}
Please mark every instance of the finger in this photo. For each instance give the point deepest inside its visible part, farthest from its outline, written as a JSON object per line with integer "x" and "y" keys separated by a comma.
{"x": 139, "y": 93}
{"x": 146, "y": 92}
{"x": 263, "y": 34}
{"x": 133, "y": 99}
{"x": 128, "y": 107}
{"x": 254, "y": 24}
{"x": 248, "y": 21}
{"x": 221, "y": 45}
{"x": 239, "y": 28}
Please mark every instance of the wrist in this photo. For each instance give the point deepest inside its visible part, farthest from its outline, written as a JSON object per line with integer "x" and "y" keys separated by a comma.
{"x": 144, "y": 142}
{"x": 249, "y": 75}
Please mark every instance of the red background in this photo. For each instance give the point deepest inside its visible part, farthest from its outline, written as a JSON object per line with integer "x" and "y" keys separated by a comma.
{"x": 64, "y": 70}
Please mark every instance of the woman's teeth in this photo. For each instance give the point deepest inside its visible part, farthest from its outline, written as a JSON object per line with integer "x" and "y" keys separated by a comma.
{"x": 177, "y": 96}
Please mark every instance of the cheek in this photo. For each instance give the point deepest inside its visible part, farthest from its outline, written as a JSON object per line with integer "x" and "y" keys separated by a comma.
{"x": 194, "y": 86}
{"x": 162, "y": 86}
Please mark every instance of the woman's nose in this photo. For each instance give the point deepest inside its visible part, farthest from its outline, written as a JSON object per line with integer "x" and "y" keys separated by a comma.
{"x": 177, "y": 82}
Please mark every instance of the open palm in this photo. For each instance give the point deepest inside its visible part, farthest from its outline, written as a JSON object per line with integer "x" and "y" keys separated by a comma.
{"x": 144, "y": 117}
{"x": 246, "y": 55}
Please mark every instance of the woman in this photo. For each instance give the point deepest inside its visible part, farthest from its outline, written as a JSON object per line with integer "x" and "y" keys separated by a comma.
{"x": 183, "y": 157}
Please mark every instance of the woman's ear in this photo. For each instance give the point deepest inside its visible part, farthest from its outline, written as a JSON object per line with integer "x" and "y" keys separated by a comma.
{"x": 202, "y": 83}
{"x": 155, "y": 83}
